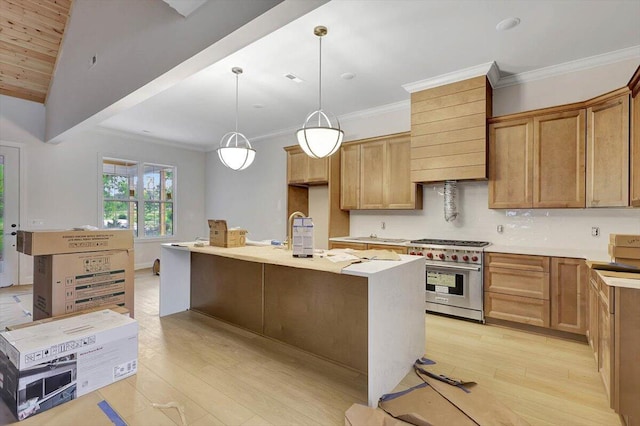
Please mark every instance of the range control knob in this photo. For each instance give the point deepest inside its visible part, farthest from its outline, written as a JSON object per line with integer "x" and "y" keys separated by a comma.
{"x": 413, "y": 253}
{"x": 474, "y": 258}
{"x": 454, "y": 257}
{"x": 441, "y": 256}
{"x": 465, "y": 258}
{"x": 429, "y": 255}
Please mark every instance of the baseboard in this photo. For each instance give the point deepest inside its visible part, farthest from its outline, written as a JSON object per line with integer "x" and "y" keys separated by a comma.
{"x": 537, "y": 330}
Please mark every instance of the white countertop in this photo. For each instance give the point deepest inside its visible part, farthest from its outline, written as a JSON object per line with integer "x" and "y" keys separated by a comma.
{"x": 576, "y": 253}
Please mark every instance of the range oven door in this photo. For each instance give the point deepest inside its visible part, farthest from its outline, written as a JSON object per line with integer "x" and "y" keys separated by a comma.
{"x": 454, "y": 285}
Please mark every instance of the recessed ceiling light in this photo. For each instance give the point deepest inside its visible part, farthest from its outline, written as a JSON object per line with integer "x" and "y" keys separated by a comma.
{"x": 293, "y": 78}
{"x": 507, "y": 24}
{"x": 348, "y": 76}
{"x": 258, "y": 106}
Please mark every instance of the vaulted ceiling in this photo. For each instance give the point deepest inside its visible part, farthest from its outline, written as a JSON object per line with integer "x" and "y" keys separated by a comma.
{"x": 31, "y": 33}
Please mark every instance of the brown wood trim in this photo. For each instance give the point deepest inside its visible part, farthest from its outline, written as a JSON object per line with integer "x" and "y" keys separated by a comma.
{"x": 607, "y": 96}
{"x": 536, "y": 330}
{"x": 537, "y": 112}
{"x": 376, "y": 138}
{"x": 634, "y": 83}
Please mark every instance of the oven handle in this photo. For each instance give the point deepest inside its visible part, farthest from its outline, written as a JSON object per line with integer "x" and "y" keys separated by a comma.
{"x": 458, "y": 267}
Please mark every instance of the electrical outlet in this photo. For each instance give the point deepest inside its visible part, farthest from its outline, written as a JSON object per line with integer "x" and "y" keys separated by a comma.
{"x": 93, "y": 60}
{"x": 595, "y": 231}
{"x": 383, "y": 225}
{"x": 500, "y": 229}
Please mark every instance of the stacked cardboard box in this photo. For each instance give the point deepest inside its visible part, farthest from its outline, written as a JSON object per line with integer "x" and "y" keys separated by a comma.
{"x": 76, "y": 270}
{"x": 625, "y": 249}
{"x": 221, "y": 236}
{"x": 47, "y": 364}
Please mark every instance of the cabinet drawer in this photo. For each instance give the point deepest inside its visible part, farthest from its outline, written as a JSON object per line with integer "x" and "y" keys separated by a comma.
{"x": 518, "y": 261}
{"x": 397, "y": 249}
{"x": 341, "y": 245}
{"x": 525, "y": 310}
{"x": 517, "y": 282}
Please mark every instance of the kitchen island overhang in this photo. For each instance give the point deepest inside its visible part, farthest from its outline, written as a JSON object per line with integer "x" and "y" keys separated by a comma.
{"x": 367, "y": 316}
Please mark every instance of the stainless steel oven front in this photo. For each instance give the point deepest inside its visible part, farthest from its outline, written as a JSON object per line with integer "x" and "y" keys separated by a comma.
{"x": 454, "y": 289}
{"x": 453, "y": 276}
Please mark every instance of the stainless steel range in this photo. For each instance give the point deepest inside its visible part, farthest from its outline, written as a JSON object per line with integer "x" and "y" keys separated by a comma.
{"x": 453, "y": 276}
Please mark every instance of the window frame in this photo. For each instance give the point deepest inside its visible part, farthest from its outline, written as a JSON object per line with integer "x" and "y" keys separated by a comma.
{"x": 139, "y": 197}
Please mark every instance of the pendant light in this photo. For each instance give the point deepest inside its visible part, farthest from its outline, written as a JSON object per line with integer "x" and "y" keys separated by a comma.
{"x": 235, "y": 151}
{"x": 318, "y": 137}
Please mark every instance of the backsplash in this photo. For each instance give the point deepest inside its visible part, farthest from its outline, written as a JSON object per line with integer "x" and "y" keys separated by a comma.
{"x": 559, "y": 228}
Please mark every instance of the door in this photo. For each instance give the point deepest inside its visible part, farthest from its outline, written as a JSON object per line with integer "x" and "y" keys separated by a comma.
{"x": 9, "y": 214}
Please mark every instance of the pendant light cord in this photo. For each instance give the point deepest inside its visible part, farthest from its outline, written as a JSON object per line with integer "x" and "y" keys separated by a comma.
{"x": 236, "y": 109}
{"x": 320, "y": 85}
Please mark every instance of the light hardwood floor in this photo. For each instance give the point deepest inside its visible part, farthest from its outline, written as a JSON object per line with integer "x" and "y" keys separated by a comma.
{"x": 226, "y": 376}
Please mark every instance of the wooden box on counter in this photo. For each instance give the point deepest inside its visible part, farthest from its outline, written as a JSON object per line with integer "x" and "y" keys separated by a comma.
{"x": 221, "y": 236}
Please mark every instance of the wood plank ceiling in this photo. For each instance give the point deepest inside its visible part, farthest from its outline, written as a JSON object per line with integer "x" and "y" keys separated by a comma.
{"x": 31, "y": 34}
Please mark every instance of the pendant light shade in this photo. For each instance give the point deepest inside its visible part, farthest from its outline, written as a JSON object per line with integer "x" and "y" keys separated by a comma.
{"x": 235, "y": 151}
{"x": 320, "y": 135}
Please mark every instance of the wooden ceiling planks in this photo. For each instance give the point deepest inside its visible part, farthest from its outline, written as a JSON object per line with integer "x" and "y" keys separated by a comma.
{"x": 31, "y": 34}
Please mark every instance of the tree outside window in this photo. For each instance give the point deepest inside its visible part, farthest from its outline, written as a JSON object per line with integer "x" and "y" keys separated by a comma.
{"x": 138, "y": 196}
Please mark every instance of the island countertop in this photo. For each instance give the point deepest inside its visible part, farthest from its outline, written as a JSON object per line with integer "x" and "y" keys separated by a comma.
{"x": 278, "y": 256}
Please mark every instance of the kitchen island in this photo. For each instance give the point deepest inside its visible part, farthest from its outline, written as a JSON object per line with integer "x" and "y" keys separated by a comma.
{"x": 366, "y": 316}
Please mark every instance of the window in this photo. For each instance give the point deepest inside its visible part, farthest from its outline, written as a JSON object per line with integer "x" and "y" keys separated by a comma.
{"x": 138, "y": 196}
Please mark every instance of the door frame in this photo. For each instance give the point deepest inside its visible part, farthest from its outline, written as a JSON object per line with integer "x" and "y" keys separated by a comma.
{"x": 23, "y": 260}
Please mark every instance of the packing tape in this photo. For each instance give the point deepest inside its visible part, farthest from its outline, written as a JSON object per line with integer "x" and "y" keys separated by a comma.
{"x": 111, "y": 413}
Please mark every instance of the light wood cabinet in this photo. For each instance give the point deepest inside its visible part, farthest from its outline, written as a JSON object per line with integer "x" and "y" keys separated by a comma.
{"x": 558, "y": 159}
{"x": 594, "y": 306}
{"x": 634, "y": 86}
{"x": 304, "y": 170}
{"x": 350, "y": 177}
{"x": 366, "y": 246}
{"x": 608, "y": 152}
{"x": 606, "y": 348}
{"x": 375, "y": 175}
{"x": 569, "y": 295}
{"x": 449, "y": 131}
{"x": 537, "y": 161}
{"x": 511, "y": 164}
{"x": 549, "y": 292}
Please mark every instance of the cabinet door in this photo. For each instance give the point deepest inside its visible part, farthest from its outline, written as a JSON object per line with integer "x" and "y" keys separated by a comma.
{"x": 317, "y": 170}
{"x": 526, "y": 310}
{"x": 399, "y": 191}
{"x": 372, "y": 174}
{"x": 635, "y": 147}
{"x": 350, "y": 177}
{"x": 297, "y": 162}
{"x": 568, "y": 295}
{"x": 510, "y": 164}
{"x": 594, "y": 305}
{"x": 606, "y": 349}
{"x": 559, "y": 164}
{"x": 608, "y": 153}
{"x": 343, "y": 245}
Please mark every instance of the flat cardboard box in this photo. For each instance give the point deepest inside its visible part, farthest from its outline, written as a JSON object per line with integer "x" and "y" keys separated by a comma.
{"x": 65, "y": 283}
{"x": 624, "y": 252}
{"x": 48, "y": 364}
{"x": 624, "y": 240}
{"x": 119, "y": 309}
{"x": 361, "y": 415}
{"x": 221, "y": 236}
{"x": 37, "y": 243}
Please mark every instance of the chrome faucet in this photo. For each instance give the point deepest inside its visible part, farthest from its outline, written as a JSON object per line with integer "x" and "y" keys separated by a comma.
{"x": 290, "y": 229}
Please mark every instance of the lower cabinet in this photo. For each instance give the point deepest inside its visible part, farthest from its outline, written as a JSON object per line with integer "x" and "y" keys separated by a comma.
{"x": 364, "y": 246}
{"x": 594, "y": 306}
{"x": 549, "y": 292}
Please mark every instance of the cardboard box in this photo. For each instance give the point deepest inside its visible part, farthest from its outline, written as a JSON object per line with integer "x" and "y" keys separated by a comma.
{"x": 632, "y": 262}
{"x": 302, "y": 237}
{"x": 624, "y": 240}
{"x": 36, "y": 243}
{"x": 115, "y": 308}
{"x": 48, "y": 364}
{"x": 65, "y": 283}
{"x": 624, "y": 252}
{"x": 221, "y": 236}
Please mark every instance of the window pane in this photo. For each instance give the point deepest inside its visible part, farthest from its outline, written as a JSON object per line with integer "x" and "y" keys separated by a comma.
{"x": 119, "y": 179}
{"x": 120, "y": 214}
{"x": 158, "y": 183}
{"x": 158, "y": 219}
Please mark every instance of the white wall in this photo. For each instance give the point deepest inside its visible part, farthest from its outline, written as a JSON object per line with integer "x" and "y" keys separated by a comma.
{"x": 256, "y": 197}
{"x": 61, "y": 181}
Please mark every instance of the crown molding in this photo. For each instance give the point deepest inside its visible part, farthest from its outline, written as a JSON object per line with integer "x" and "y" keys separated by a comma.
{"x": 150, "y": 139}
{"x": 490, "y": 69}
{"x": 569, "y": 67}
{"x": 375, "y": 111}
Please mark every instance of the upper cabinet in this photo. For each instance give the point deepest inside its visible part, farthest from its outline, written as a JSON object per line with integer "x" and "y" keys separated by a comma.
{"x": 449, "y": 131}
{"x": 537, "y": 161}
{"x": 570, "y": 156}
{"x": 634, "y": 85}
{"x": 375, "y": 174}
{"x": 608, "y": 151}
{"x": 304, "y": 170}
